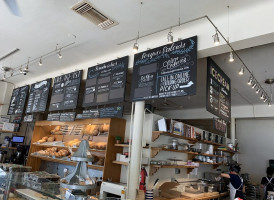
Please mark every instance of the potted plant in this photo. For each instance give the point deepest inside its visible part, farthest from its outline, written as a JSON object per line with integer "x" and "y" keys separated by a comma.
{"x": 118, "y": 139}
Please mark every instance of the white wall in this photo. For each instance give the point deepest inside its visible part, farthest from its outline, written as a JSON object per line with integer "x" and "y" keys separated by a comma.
{"x": 256, "y": 139}
{"x": 5, "y": 95}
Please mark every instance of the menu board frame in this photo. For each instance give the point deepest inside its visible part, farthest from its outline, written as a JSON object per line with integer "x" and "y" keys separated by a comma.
{"x": 15, "y": 100}
{"x": 106, "y": 83}
{"x": 218, "y": 91}
{"x": 42, "y": 87}
{"x": 65, "y": 89}
{"x": 166, "y": 71}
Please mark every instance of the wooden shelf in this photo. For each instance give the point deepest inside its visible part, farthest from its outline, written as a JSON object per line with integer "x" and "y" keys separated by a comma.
{"x": 64, "y": 147}
{"x": 12, "y": 148}
{"x": 209, "y": 142}
{"x": 156, "y": 150}
{"x": 155, "y": 168}
{"x": 120, "y": 163}
{"x": 67, "y": 162}
{"x": 228, "y": 150}
{"x": 210, "y": 155}
{"x": 156, "y": 135}
{"x": 2, "y": 131}
{"x": 121, "y": 145}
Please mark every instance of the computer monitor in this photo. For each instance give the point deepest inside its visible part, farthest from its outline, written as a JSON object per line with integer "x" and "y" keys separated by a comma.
{"x": 18, "y": 139}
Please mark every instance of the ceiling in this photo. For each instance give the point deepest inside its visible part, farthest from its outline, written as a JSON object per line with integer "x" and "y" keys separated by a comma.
{"x": 43, "y": 24}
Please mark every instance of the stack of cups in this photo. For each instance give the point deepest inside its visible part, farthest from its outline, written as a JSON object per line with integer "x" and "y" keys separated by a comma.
{"x": 149, "y": 194}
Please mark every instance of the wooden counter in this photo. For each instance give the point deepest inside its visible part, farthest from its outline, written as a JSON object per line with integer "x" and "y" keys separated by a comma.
{"x": 203, "y": 196}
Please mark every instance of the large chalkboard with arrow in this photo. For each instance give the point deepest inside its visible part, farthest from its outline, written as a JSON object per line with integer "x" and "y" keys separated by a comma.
{"x": 18, "y": 100}
{"x": 38, "y": 97}
{"x": 106, "y": 83}
{"x": 65, "y": 91}
{"x": 218, "y": 91}
{"x": 166, "y": 71}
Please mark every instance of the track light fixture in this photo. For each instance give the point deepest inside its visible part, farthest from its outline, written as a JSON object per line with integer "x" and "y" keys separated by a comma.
{"x": 269, "y": 104}
{"x": 241, "y": 72}
{"x": 216, "y": 38}
{"x": 265, "y": 99}
{"x": 4, "y": 77}
{"x": 170, "y": 37}
{"x": 231, "y": 57}
{"x": 40, "y": 62}
{"x": 262, "y": 96}
{"x": 254, "y": 85}
{"x": 135, "y": 47}
{"x": 59, "y": 54}
{"x": 258, "y": 90}
{"x": 250, "y": 80}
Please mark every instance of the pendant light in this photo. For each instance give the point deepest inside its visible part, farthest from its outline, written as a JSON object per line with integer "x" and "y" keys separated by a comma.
{"x": 216, "y": 38}
{"x": 231, "y": 57}
{"x": 40, "y": 62}
{"x": 241, "y": 72}
{"x": 170, "y": 37}
{"x": 250, "y": 81}
{"x": 136, "y": 45}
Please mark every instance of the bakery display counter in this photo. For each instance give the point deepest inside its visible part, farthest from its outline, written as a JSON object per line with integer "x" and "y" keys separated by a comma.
{"x": 201, "y": 196}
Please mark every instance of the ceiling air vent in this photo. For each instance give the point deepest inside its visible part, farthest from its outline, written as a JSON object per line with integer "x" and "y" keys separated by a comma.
{"x": 85, "y": 9}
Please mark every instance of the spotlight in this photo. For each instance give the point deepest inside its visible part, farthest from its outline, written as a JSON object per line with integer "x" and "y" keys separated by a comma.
{"x": 231, "y": 57}
{"x": 216, "y": 38}
{"x": 241, "y": 72}
{"x": 258, "y": 90}
{"x": 4, "y": 77}
{"x": 269, "y": 104}
{"x": 25, "y": 71}
{"x": 250, "y": 81}
{"x": 254, "y": 85}
{"x": 265, "y": 99}
{"x": 40, "y": 62}
{"x": 135, "y": 47}
{"x": 170, "y": 37}
{"x": 262, "y": 96}
{"x": 59, "y": 54}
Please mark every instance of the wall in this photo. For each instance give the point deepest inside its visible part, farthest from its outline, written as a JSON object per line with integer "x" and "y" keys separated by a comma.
{"x": 255, "y": 137}
{"x": 5, "y": 95}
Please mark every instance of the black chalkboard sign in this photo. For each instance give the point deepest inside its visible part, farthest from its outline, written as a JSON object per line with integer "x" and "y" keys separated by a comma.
{"x": 65, "y": 91}
{"x": 111, "y": 112}
{"x": 88, "y": 114}
{"x": 38, "y": 97}
{"x": 166, "y": 71}
{"x": 218, "y": 91}
{"x": 106, "y": 83}
{"x": 18, "y": 100}
{"x": 67, "y": 117}
{"x": 53, "y": 117}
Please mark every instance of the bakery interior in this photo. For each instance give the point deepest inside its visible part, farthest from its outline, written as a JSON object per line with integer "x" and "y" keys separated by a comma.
{"x": 134, "y": 145}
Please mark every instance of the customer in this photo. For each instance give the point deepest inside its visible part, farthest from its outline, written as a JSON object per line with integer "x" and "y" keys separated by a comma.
{"x": 236, "y": 184}
{"x": 268, "y": 182}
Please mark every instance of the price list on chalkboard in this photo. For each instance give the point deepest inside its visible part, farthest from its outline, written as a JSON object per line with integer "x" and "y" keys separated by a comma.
{"x": 38, "y": 97}
{"x": 106, "y": 83}
{"x": 218, "y": 100}
{"x": 166, "y": 71}
{"x": 65, "y": 91}
{"x": 18, "y": 100}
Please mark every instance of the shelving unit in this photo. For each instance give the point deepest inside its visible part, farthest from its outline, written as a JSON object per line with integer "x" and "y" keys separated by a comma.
{"x": 110, "y": 169}
{"x": 155, "y": 168}
{"x": 156, "y": 150}
{"x": 156, "y": 135}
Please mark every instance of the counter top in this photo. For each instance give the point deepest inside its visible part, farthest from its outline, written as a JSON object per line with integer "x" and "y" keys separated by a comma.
{"x": 202, "y": 196}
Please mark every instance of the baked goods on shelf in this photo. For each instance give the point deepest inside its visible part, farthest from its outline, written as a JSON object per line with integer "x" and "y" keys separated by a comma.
{"x": 46, "y": 139}
{"x": 53, "y": 152}
{"x": 56, "y": 131}
{"x": 73, "y": 143}
{"x": 98, "y": 145}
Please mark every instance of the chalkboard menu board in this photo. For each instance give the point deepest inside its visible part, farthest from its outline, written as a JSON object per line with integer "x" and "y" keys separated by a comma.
{"x": 53, "y": 117}
{"x": 111, "y": 112}
{"x": 166, "y": 71}
{"x": 18, "y": 100}
{"x": 38, "y": 97}
{"x": 88, "y": 114}
{"x": 65, "y": 91}
{"x": 218, "y": 91}
{"x": 67, "y": 117}
{"x": 106, "y": 83}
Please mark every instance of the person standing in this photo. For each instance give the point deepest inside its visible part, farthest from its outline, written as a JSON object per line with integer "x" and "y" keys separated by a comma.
{"x": 268, "y": 182}
{"x": 236, "y": 185}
